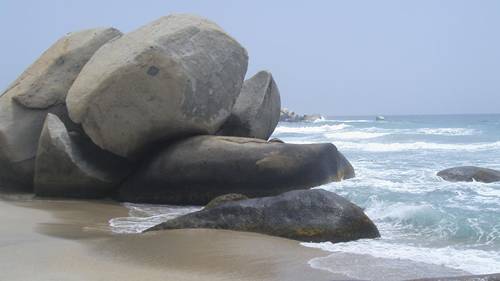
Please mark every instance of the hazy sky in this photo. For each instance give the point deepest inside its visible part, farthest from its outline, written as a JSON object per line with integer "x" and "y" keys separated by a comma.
{"x": 332, "y": 57}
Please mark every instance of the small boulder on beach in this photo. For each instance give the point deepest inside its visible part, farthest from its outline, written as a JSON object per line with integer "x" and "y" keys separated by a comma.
{"x": 470, "y": 173}
{"x": 306, "y": 215}
{"x": 197, "y": 169}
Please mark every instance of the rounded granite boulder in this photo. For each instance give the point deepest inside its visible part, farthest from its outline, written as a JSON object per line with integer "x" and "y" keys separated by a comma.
{"x": 195, "y": 170}
{"x": 257, "y": 109}
{"x": 41, "y": 89}
{"x": 70, "y": 165}
{"x": 177, "y": 76}
{"x": 306, "y": 215}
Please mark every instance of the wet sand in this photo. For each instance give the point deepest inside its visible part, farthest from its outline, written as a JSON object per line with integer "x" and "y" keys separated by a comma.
{"x": 71, "y": 240}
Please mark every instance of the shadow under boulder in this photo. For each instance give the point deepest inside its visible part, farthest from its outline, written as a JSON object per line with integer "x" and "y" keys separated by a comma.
{"x": 305, "y": 215}
{"x": 198, "y": 169}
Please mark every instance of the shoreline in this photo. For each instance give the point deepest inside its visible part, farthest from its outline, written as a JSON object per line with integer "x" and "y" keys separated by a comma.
{"x": 71, "y": 240}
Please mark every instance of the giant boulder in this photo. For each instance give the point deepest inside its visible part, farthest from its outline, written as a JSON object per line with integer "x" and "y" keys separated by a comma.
{"x": 470, "y": 173}
{"x": 198, "y": 169}
{"x": 41, "y": 89}
{"x": 179, "y": 75}
{"x": 72, "y": 166}
{"x": 257, "y": 109}
{"x": 305, "y": 215}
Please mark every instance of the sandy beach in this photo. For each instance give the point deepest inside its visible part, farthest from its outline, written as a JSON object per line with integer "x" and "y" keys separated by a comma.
{"x": 71, "y": 240}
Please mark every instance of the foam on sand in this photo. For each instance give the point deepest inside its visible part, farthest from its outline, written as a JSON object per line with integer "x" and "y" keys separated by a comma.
{"x": 144, "y": 216}
{"x": 470, "y": 260}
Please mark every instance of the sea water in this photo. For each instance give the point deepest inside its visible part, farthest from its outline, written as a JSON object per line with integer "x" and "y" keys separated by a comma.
{"x": 426, "y": 223}
{"x": 421, "y": 217}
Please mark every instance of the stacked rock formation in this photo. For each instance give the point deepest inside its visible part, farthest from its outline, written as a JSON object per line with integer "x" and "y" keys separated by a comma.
{"x": 160, "y": 115}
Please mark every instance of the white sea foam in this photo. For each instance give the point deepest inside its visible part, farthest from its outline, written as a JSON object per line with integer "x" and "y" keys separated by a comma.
{"x": 144, "y": 216}
{"x": 310, "y": 129}
{"x": 320, "y": 120}
{"x": 353, "y": 135}
{"x": 400, "y": 211}
{"x": 353, "y": 121}
{"x": 365, "y": 267}
{"x": 447, "y": 131}
{"x": 470, "y": 260}
{"x": 395, "y": 146}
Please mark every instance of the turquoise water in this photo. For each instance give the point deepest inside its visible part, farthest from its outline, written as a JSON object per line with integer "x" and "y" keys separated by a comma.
{"x": 421, "y": 217}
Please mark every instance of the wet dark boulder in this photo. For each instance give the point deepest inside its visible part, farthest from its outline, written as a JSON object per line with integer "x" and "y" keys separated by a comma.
{"x": 225, "y": 198}
{"x": 195, "y": 170}
{"x": 470, "y": 173}
{"x": 305, "y": 215}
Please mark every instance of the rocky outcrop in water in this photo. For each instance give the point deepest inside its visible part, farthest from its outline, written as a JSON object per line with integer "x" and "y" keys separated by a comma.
{"x": 470, "y": 173}
{"x": 306, "y": 215}
{"x": 197, "y": 169}
{"x": 287, "y": 115}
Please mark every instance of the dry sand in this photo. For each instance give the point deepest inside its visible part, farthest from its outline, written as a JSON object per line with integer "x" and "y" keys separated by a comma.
{"x": 71, "y": 240}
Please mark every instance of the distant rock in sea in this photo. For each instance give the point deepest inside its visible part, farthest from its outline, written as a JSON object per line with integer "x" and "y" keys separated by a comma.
{"x": 287, "y": 115}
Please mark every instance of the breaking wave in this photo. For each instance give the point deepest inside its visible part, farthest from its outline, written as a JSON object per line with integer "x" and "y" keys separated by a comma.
{"x": 144, "y": 216}
{"x": 395, "y": 146}
{"x": 469, "y": 260}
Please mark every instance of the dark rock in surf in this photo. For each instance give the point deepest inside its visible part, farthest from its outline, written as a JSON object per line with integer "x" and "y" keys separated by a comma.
{"x": 470, "y": 173}
{"x": 305, "y": 215}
